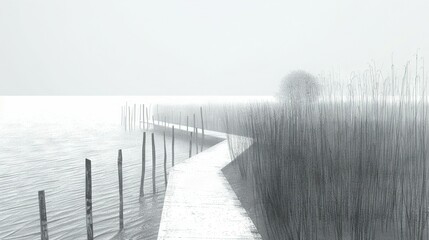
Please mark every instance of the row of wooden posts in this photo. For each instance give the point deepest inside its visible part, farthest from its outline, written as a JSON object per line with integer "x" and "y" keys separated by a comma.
{"x": 88, "y": 180}
{"x": 129, "y": 118}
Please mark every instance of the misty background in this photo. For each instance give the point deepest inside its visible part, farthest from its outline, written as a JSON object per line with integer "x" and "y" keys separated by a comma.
{"x": 58, "y": 47}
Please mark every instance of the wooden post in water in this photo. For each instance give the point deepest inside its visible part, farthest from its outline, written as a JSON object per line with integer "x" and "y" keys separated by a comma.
{"x": 88, "y": 197}
{"x": 143, "y": 117}
{"x": 121, "y": 197}
{"x": 124, "y": 116}
{"x": 172, "y": 147}
{"x": 157, "y": 113}
{"x": 147, "y": 119}
{"x": 165, "y": 161}
{"x": 43, "y": 218}
{"x": 196, "y": 140}
{"x": 153, "y": 163}
{"x": 129, "y": 118}
{"x": 196, "y": 135}
{"x": 135, "y": 112}
{"x": 190, "y": 146}
{"x": 143, "y": 165}
{"x": 202, "y": 129}
{"x": 140, "y": 116}
{"x": 195, "y": 127}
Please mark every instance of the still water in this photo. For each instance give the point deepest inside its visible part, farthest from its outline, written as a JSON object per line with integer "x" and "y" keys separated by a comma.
{"x": 50, "y": 155}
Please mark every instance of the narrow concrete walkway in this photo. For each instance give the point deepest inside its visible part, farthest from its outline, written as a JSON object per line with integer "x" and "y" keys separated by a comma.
{"x": 199, "y": 202}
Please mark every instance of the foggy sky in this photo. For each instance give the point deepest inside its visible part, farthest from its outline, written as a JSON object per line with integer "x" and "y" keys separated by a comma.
{"x": 194, "y": 47}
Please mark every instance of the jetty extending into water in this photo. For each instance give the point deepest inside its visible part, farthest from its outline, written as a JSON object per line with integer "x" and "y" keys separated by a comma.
{"x": 199, "y": 202}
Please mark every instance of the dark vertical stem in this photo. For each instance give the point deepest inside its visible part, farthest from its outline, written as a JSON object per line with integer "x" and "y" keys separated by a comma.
{"x": 121, "y": 197}
{"x": 202, "y": 129}
{"x": 190, "y": 146}
{"x": 153, "y": 163}
{"x": 43, "y": 218}
{"x": 165, "y": 161}
{"x": 172, "y": 147}
{"x": 143, "y": 165}
{"x": 88, "y": 197}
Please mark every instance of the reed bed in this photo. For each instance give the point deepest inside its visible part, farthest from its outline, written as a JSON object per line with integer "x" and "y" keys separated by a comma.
{"x": 351, "y": 166}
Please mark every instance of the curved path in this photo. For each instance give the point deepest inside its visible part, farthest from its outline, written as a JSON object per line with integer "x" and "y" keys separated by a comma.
{"x": 199, "y": 202}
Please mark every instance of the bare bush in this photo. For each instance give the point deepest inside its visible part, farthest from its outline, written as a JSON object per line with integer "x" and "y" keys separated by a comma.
{"x": 299, "y": 86}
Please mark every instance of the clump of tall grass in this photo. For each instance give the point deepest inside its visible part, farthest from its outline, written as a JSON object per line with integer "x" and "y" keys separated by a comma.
{"x": 351, "y": 166}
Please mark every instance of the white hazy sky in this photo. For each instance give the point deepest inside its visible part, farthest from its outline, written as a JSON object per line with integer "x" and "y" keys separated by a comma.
{"x": 195, "y": 47}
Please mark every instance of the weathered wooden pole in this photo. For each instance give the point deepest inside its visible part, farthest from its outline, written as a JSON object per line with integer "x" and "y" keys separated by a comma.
{"x": 157, "y": 113}
{"x": 187, "y": 123}
{"x": 129, "y": 118}
{"x": 143, "y": 117}
{"x": 165, "y": 161}
{"x": 153, "y": 163}
{"x": 43, "y": 218}
{"x": 133, "y": 116}
{"x": 88, "y": 197}
{"x": 121, "y": 197}
{"x": 202, "y": 129}
{"x": 190, "y": 146}
{"x": 143, "y": 165}
{"x": 124, "y": 116}
{"x": 135, "y": 112}
{"x": 172, "y": 147}
{"x": 196, "y": 135}
{"x": 196, "y": 140}
{"x": 195, "y": 126}
{"x": 147, "y": 119}
{"x": 140, "y": 116}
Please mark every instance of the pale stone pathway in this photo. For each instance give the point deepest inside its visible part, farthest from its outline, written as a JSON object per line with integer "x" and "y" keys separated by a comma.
{"x": 199, "y": 202}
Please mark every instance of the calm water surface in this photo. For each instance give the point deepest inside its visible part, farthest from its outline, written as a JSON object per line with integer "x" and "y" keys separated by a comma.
{"x": 51, "y": 157}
